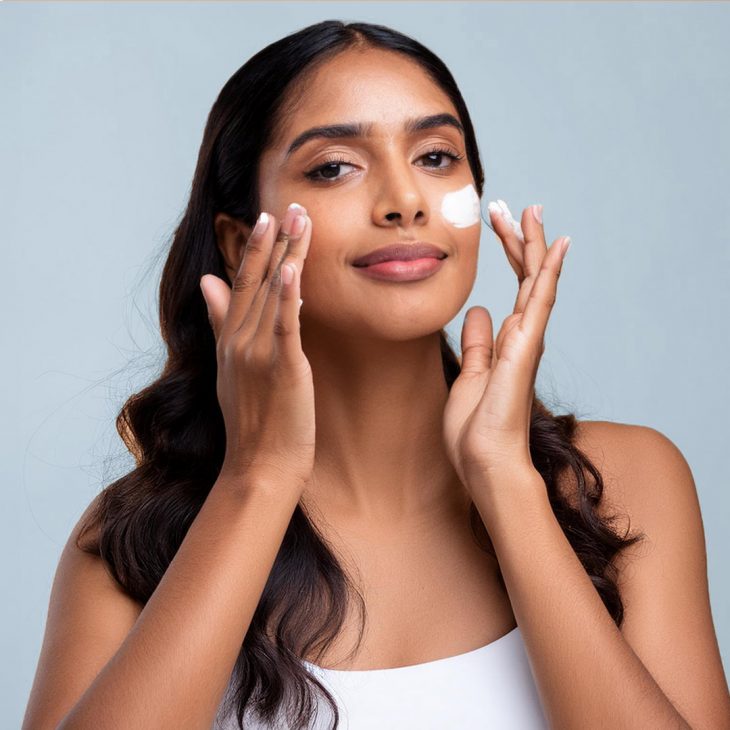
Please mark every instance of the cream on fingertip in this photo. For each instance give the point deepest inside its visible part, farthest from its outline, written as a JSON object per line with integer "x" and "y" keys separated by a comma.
{"x": 516, "y": 227}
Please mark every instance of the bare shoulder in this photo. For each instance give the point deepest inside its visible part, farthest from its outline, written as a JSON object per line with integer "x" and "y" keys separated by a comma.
{"x": 623, "y": 441}
{"x": 88, "y": 568}
{"x": 663, "y": 578}
{"x": 648, "y": 486}
{"x": 89, "y": 616}
{"x": 85, "y": 532}
{"x": 639, "y": 465}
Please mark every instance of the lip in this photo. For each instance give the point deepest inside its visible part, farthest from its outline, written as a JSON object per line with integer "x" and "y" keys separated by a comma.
{"x": 400, "y": 251}
{"x": 396, "y": 270}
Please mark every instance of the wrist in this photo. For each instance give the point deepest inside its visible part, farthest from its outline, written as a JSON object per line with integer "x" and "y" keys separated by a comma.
{"x": 504, "y": 498}
{"x": 243, "y": 482}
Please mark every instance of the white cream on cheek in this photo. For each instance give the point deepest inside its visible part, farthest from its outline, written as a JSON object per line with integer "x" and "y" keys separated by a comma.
{"x": 462, "y": 207}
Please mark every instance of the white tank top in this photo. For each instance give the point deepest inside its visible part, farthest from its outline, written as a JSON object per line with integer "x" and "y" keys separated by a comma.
{"x": 490, "y": 687}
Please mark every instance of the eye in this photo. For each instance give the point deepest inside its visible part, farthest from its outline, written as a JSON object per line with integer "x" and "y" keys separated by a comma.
{"x": 444, "y": 152}
{"x": 317, "y": 174}
{"x": 330, "y": 163}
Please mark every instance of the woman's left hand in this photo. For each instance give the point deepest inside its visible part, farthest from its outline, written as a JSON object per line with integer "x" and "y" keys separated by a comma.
{"x": 487, "y": 415}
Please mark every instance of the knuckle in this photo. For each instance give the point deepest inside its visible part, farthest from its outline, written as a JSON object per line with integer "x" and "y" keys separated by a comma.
{"x": 245, "y": 280}
{"x": 274, "y": 285}
{"x": 239, "y": 350}
{"x": 277, "y": 261}
{"x": 545, "y": 295}
{"x": 225, "y": 354}
{"x": 280, "y": 328}
{"x": 254, "y": 246}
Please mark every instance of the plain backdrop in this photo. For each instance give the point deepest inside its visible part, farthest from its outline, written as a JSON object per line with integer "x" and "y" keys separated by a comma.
{"x": 613, "y": 115}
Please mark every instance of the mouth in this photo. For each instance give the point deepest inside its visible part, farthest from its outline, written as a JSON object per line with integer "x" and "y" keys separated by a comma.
{"x": 399, "y": 271}
{"x": 401, "y": 251}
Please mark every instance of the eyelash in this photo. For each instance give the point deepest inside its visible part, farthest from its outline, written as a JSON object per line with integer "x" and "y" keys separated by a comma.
{"x": 329, "y": 162}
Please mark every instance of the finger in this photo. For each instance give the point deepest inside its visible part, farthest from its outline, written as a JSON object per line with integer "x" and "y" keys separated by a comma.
{"x": 215, "y": 297}
{"x": 535, "y": 249}
{"x": 299, "y": 244}
{"x": 250, "y": 275}
{"x": 298, "y": 238}
{"x": 476, "y": 341}
{"x": 512, "y": 223}
{"x": 535, "y": 245}
{"x": 542, "y": 296}
{"x": 508, "y": 237}
{"x": 287, "y": 237}
{"x": 508, "y": 325}
{"x": 279, "y": 326}
{"x": 293, "y": 239}
{"x": 287, "y": 326}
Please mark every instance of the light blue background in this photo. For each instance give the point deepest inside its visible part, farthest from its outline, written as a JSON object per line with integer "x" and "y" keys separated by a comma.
{"x": 613, "y": 115}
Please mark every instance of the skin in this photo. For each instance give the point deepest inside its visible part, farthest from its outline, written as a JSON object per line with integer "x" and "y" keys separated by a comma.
{"x": 380, "y": 457}
{"x": 383, "y": 477}
{"x": 433, "y": 593}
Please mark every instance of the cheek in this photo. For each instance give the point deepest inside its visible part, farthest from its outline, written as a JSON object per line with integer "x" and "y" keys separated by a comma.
{"x": 461, "y": 208}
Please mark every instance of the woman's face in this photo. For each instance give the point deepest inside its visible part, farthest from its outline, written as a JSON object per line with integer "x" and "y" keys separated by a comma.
{"x": 391, "y": 187}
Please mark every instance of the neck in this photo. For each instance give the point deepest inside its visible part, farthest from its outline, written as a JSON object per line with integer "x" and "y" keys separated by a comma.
{"x": 380, "y": 455}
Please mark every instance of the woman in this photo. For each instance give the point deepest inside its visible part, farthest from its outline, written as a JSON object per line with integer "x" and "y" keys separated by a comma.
{"x": 216, "y": 583}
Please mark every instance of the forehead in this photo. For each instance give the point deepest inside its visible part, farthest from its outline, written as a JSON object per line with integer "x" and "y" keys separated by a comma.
{"x": 373, "y": 86}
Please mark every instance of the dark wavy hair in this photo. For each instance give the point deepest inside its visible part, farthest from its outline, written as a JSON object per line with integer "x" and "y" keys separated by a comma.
{"x": 175, "y": 429}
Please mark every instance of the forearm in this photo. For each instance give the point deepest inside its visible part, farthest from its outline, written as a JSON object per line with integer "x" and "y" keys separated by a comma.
{"x": 173, "y": 667}
{"x": 586, "y": 673}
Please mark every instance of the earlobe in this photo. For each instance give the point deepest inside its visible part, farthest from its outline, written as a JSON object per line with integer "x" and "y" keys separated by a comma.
{"x": 231, "y": 236}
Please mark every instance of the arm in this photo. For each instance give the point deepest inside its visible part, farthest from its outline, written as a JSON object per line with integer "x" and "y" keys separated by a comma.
{"x": 172, "y": 669}
{"x": 173, "y": 666}
{"x": 663, "y": 668}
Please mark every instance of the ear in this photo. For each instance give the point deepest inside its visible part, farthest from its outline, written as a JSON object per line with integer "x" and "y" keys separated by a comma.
{"x": 231, "y": 236}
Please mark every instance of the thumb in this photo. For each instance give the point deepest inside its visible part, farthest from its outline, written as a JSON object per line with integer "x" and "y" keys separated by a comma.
{"x": 208, "y": 288}
{"x": 476, "y": 341}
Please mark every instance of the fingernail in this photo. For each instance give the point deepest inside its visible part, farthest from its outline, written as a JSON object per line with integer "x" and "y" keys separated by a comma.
{"x": 290, "y": 217}
{"x": 492, "y": 207}
{"x": 261, "y": 224}
{"x": 566, "y": 245}
{"x": 516, "y": 227}
{"x": 537, "y": 212}
{"x": 299, "y": 223}
{"x": 507, "y": 213}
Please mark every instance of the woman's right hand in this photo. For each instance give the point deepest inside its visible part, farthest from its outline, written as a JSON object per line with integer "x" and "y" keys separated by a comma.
{"x": 264, "y": 381}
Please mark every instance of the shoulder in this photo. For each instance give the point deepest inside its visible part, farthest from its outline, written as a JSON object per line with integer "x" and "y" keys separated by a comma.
{"x": 88, "y": 618}
{"x": 86, "y": 532}
{"x": 663, "y": 578}
{"x": 640, "y": 466}
{"x": 624, "y": 442}
{"x": 648, "y": 486}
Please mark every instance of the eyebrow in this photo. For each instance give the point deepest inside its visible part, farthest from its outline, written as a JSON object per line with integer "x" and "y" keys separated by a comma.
{"x": 361, "y": 129}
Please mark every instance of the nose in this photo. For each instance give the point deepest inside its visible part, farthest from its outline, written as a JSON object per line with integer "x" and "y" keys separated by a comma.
{"x": 400, "y": 198}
